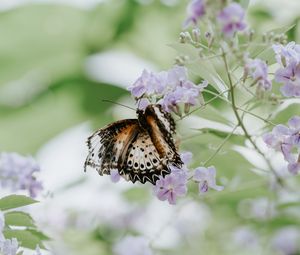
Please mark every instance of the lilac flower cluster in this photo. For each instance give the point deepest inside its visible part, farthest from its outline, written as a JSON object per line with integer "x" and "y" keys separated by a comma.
{"x": 168, "y": 88}
{"x": 287, "y": 140}
{"x": 175, "y": 184}
{"x": 288, "y": 57}
{"x": 17, "y": 173}
{"x": 231, "y": 18}
{"x": 258, "y": 70}
{"x": 206, "y": 177}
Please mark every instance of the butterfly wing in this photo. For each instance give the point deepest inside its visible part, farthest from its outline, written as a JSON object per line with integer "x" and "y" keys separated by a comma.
{"x": 108, "y": 146}
{"x": 143, "y": 161}
{"x": 161, "y": 128}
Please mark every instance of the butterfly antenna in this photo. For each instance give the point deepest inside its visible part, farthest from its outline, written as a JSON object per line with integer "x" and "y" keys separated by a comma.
{"x": 108, "y": 101}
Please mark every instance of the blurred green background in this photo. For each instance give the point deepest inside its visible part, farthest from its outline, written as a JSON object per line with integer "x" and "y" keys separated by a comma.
{"x": 58, "y": 60}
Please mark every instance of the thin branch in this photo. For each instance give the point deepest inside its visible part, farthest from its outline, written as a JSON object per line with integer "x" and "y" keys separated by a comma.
{"x": 241, "y": 124}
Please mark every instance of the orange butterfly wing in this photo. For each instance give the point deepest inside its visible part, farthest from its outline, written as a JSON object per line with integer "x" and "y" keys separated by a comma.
{"x": 140, "y": 152}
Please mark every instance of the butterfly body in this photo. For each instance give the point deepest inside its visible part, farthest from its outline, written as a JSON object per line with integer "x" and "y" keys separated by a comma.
{"x": 140, "y": 149}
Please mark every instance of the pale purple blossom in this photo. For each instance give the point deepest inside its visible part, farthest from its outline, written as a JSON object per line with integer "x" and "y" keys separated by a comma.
{"x": 143, "y": 103}
{"x": 289, "y": 76}
{"x": 9, "y": 247}
{"x": 186, "y": 93}
{"x": 195, "y": 10}
{"x": 288, "y": 57}
{"x": 286, "y": 139}
{"x": 206, "y": 178}
{"x": 114, "y": 175}
{"x": 186, "y": 157}
{"x": 287, "y": 54}
{"x": 172, "y": 186}
{"x": 258, "y": 70}
{"x": 132, "y": 245}
{"x": 168, "y": 88}
{"x": 148, "y": 83}
{"x": 17, "y": 173}
{"x": 286, "y": 241}
{"x": 232, "y": 19}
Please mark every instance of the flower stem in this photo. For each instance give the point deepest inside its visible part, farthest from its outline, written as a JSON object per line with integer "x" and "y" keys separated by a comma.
{"x": 241, "y": 124}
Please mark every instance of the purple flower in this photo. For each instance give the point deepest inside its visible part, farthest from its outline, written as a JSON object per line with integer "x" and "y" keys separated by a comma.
{"x": 195, "y": 10}
{"x": 286, "y": 241}
{"x": 9, "y": 247}
{"x": 114, "y": 175}
{"x": 287, "y": 140}
{"x": 290, "y": 78}
{"x": 294, "y": 126}
{"x": 206, "y": 177}
{"x": 232, "y": 19}
{"x": 294, "y": 168}
{"x": 186, "y": 93}
{"x": 277, "y": 137}
{"x": 17, "y": 173}
{"x": 148, "y": 83}
{"x": 132, "y": 245}
{"x": 258, "y": 69}
{"x": 186, "y": 157}
{"x": 172, "y": 185}
{"x": 288, "y": 54}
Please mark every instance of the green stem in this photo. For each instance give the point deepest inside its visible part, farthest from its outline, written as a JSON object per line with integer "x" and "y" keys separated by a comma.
{"x": 241, "y": 124}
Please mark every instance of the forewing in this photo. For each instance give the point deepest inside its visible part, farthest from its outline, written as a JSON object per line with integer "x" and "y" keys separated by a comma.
{"x": 108, "y": 146}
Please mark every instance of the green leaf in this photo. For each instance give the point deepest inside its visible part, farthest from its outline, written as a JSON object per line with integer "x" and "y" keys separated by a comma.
{"x": 25, "y": 238}
{"x": 15, "y": 201}
{"x": 39, "y": 234}
{"x": 234, "y": 138}
{"x": 19, "y": 219}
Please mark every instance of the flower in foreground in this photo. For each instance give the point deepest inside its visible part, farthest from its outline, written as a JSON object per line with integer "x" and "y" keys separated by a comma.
{"x": 206, "y": 177}
{"x": 286, "y": 139}
{"x": 195, "y": 10}
{"x": 132, "y": 245}
{"x": 17, "y": 173}
{"x": 171, "y": 186}
{"x": 232, "y": 19}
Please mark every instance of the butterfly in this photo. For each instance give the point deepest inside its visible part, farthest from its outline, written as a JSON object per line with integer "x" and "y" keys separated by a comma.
{"x": 141, "y": 149}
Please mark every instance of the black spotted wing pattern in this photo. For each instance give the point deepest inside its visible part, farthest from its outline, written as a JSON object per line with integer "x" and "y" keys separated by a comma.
{"x": 108, "y": 146}
{"x": 140, "y": 149}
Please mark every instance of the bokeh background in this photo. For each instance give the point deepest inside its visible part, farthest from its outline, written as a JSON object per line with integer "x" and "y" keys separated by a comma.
{"x": 58, "y": 61}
